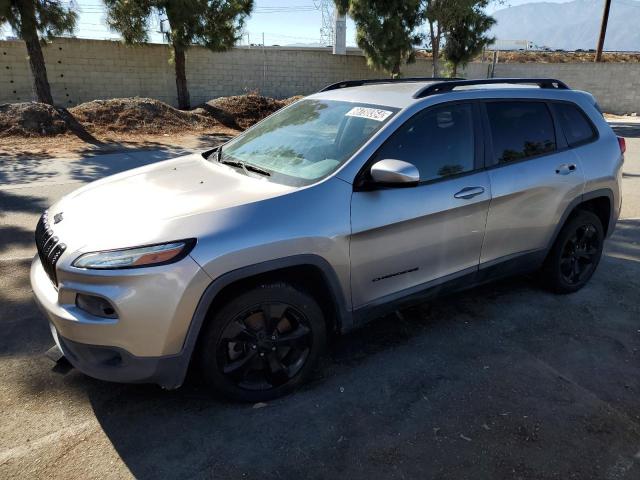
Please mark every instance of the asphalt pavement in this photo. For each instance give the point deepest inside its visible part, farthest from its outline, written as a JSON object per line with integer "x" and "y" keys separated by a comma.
{"x": 503, "y": 381}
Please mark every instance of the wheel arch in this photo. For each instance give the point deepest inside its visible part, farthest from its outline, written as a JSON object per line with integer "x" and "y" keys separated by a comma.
{"x": 311, "y": 271}
{"x": 602, "y": 207}
{"x": 598, "y": 201}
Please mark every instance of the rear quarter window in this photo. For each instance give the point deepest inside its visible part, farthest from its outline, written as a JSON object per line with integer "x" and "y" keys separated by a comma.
{"x": 520, "y": 130}
{"x": 575, "y": 124}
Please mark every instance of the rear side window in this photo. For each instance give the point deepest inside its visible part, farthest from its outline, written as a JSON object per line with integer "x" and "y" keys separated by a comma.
{"x": 438, "y": 141}
{"x": 520, "y": 130}
{"x": 577, "y": 129}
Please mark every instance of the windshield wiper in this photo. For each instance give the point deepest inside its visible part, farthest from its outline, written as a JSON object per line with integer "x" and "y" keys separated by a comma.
{"x": 256, "y": 169}
{"x": 247, "y": 167}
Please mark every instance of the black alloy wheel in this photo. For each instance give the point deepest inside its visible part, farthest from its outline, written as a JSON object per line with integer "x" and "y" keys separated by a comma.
{"x": 580, "y": 254}
{"x": 263, "y": 343}
{"x": 265, "y": 346}
{"x": 575, "y": 254}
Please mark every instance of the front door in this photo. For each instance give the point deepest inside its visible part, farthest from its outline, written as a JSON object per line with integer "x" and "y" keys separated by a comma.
{"x": 404, "y": 238}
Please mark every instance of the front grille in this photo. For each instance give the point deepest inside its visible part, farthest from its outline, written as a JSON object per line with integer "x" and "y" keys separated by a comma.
{"x": 49, "y": 247}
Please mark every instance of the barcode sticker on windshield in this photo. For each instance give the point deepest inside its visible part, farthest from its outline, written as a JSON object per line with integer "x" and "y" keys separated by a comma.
{"x": 371, "y": 113}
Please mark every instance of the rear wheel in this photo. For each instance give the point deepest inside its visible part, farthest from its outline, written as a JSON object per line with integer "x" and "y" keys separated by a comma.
{"x": 263, "y": 343}
{"x": 575, "y": 254}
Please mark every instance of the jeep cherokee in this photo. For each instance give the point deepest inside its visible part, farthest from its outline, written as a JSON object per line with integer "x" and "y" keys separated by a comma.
{"x": 347, "y": 204}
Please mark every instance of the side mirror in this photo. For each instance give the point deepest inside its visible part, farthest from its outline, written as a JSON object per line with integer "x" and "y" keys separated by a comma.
{"x": 395, "y": 173}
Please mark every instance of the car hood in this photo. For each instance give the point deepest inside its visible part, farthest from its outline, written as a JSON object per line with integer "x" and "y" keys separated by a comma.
{"x": 148, "y": 204}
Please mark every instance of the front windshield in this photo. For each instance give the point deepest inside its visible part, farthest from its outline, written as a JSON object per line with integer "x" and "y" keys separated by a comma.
{"x": 307, "y": 140}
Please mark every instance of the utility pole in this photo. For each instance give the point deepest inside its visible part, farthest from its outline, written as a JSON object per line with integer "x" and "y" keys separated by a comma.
{"x": 340, "y": 34}
{"x": 603, "y": 29}
{"x": 165, "y": 33}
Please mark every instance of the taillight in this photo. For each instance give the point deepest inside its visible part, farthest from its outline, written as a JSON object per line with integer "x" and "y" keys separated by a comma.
{"x": 623, "y": 144}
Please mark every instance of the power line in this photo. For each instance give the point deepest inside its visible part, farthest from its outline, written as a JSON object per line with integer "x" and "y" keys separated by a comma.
{"x": 156, "y": 26}
{"x": 258, "y": 10}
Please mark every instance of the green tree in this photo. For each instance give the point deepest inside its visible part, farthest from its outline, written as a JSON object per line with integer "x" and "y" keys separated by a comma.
{"x": 455, "y": 18}
{"x": 466, "y": 32}
{"x": 437, "y": 14}
{"x": 36, "y": 21}
{"x": 386, "y": 30}
{"x": 215, "y": 24}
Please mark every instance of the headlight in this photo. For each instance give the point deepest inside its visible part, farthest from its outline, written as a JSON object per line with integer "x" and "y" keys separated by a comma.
{"x": 147, "y": 256}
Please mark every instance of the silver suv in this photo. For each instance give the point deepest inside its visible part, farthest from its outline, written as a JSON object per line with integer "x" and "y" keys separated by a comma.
{"x": 343, "y": 206}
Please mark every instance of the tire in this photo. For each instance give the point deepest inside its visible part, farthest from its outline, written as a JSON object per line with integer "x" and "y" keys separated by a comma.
{"x": 575, "y": 254}
{"x": 249, "y": 359}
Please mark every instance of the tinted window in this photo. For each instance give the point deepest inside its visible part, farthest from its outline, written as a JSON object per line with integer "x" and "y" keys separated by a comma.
{"x": 575, "y": 125}
{"x": 520, "y": 130}
{"x": 438, "y": 141}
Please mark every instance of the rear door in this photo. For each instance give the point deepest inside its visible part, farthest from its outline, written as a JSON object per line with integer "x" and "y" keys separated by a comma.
{"x": 404, "y": 238}
{"x": 534, "y": 176}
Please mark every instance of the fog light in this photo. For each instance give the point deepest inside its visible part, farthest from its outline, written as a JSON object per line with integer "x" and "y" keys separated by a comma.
{"x": 97, "y": 306}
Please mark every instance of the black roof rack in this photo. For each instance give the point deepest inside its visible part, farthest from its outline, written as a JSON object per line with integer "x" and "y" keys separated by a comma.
{"x": 442, "y": 87}
{"x": 359, "y": 83}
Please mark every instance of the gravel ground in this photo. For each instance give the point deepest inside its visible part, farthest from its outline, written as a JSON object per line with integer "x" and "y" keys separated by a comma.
{"x": 504, "y": 381}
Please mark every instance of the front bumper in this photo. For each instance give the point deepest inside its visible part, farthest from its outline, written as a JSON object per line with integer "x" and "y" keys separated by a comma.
{"x": 145, "y": 343}
{"x": 114, "y": 364}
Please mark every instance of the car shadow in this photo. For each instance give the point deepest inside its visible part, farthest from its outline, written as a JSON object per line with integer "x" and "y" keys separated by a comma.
{"x": 14, "y": 236}
{"x": 286, "y": 438}
{"x": 524, "y": 379}
{"x": 23, "y": 330}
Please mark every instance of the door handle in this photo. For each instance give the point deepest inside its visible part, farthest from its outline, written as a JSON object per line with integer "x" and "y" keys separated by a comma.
{"x": 469, "y": 192}
{"x": 565, "y": 168}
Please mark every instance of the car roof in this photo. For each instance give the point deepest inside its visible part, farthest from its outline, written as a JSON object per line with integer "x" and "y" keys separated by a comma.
{"x": 401, "y": 94}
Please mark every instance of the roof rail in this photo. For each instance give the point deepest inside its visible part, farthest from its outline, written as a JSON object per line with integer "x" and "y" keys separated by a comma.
{"x": 359, "y": 83}
{"x": 442, "y": 87}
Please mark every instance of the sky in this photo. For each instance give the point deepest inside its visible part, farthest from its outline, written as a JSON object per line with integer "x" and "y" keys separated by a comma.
{"x": 282, "y": 22}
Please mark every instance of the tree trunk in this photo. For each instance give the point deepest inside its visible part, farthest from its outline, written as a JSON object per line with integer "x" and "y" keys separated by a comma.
{"x": 29, "y": 34}
{"x": 455, "y": 70}
{"x": 181, "y": 78}
{"x": 435, "y": 50}
{"x": 395, "y": 72}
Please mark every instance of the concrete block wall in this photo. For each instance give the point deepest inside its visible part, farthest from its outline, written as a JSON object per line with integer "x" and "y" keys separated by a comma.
{"x": 84, "y": 70}
{"x": 616, "y": 86}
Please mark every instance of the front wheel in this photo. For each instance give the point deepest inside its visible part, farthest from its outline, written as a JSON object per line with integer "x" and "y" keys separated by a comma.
{"x": 575, "y": 254}
{"x": 263, "y": 343}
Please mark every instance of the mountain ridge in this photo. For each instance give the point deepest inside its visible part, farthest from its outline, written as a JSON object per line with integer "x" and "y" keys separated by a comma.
{"x": 570, "y": 26}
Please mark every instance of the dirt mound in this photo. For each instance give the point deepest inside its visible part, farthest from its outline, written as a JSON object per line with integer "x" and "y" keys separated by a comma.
{"x": 537, "y": 56}
{"x": 30, "y": 119}
{"x": 290, "y": 100}
{"x": 242, "y": 111}
{"x": 564, "y": 57}
{"x": 137, "y": 115}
